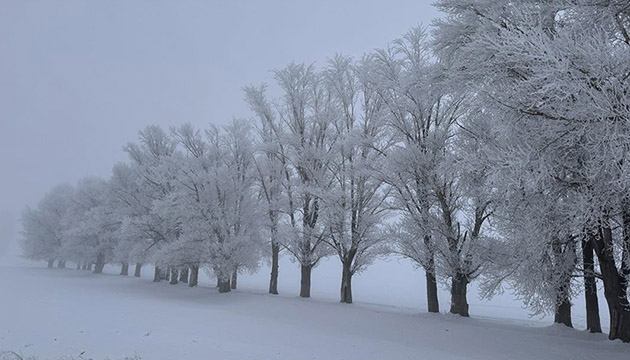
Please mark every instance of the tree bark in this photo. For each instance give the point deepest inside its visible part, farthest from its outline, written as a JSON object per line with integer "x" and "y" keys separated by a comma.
{"x": 563, "y": 296}
{"x": 563, "y": 313}
{"x": 625, "y": 245}
{"x": 593, "y": 323}
{"x": 85, "y": 266}
{"x": 617, "y": 301}
{"x": 89, "y": 266}
{"x": 61, "y": 264}
{"x": 194, "y": 276}
{"x": 164, "y": 273}
{"x": 224, "y": 285}
{"x": 432, "y": 294}
{"x": 346, "y": 283}
{"x": 157, "y": 274}
{"x": 100, "y": 264}
{"x": 305, "y": 281}
{"x": 429, "y": 269}
{"x": 459, "y": 303}
{"x": 51, "y": 263}
{"x": 124, "y": 269}
{"x": 138, "y": 271}
{"x": 174, "y": 276}
{"x": 234, "y": 278}
{"x": 78, "y": 266}
{"x": 275, "y": 265}
{"x": 183, "y": 275}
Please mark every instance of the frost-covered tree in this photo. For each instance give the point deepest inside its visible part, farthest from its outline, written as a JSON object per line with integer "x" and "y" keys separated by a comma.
{"x": 306, "y": 114}
{"x": 557, "y": 74}
{"x": 271, "y": 171}
{"x": 354, "y": 205}
{"x": 92, "y": 224}
{"x": 132, "y": 203}
{"x": 214, "y": 203}
{"x": 441, "y": 199}
{"x": 44, "y": 226}
{"x": 150, "y": 159}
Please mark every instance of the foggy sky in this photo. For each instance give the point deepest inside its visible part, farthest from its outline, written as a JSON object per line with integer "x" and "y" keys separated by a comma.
{"x": 78, "y": 79}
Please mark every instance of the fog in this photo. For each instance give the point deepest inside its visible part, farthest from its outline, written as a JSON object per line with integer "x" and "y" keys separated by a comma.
{"x": 80, "y": 78}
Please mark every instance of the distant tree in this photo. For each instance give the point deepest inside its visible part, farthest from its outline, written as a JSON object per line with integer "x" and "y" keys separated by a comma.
{"x": 43, "y": 227}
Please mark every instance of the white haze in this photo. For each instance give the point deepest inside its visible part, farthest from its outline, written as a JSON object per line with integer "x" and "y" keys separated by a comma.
{"x": 80, "y": 78}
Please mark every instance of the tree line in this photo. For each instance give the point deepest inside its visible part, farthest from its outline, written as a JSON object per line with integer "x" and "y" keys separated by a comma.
{"x": 491, "y": 147}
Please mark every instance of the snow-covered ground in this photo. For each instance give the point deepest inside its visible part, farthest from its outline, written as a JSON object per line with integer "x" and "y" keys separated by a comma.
{"x": 62, "y": 313}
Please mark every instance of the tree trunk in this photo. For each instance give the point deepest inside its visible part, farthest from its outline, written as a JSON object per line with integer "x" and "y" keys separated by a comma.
{"x": 459, "y": 303}
{"x": 89, "y": 266}
{"x": 124, "y": 270}
{"x": 183, "y": 275}
{"x": 51, "y": 263}
{"x": 138, "y": 271}
{"x": 194, "y": 276}
{"x": 165, "y": 273}
{"x": 174, "y": 276}
{"x": 346, "y": 283}
{"x": 275, "y": 257}
{"x": 100, "y": 264}
{"x": 84, "y": 267}
{"x": 224, "y": 285}
{"x": 432, "y": 293}
{"x": 61, "y": 264}
{"x": 429, "y": 269}
{"x": 78, "y": 266}
{"x": 157, "y": 274}
{"x": 305, "y": 281}
{"x": 234, "y": 278}
{"x": 617, "y": 301}
{"x": 625, "y": 247}
{"x": 563, "y": 296}
{"x": 593, "y": 323}
{"x": 563, "y": 313}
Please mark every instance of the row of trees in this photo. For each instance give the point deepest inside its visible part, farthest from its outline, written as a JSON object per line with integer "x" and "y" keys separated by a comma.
{"x": 495, "y": 149}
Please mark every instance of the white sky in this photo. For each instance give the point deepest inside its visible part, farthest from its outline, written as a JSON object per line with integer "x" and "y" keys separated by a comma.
{"x": 79, "y": 78}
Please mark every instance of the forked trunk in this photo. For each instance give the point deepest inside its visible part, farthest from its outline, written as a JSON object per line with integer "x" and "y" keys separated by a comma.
{"x": 593, "y": 323}
{"x": 459, "y": 303}
{"x": 194, "y": 276}
{"x": 124, "y": 269}
{"x": 305, "y": 281}
{"x": 138, "y": 271}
